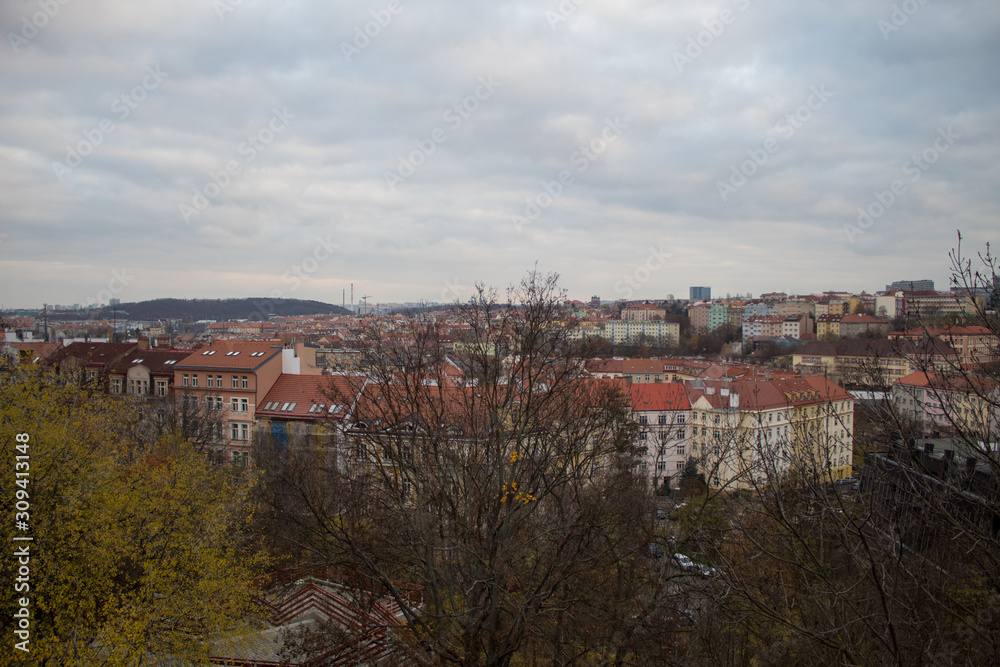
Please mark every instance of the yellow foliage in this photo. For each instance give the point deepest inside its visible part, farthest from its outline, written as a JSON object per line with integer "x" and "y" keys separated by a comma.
{"x": 133, "y": 550}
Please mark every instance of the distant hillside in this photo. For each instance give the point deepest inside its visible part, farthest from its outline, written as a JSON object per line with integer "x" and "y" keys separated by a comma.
{"x": 192, "y": 310}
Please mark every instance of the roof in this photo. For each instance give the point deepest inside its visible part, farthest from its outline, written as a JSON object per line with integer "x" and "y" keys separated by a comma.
{"x": 872, "y": 347}
{"x": 308, "y": 398}
{"x": 92, "y": 354}
{"x": 658, "y": 397}
{"x": 816, "y": 348}
{"x": 158, "y": 362}
{"x": 231, "y": 354}
{"x": 35, "y": 349}
{"x": 964, "y": 383}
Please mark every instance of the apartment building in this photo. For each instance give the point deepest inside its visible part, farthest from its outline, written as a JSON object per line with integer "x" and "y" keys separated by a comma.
{"x": 663, "y": 414}
{"x": 233, "y": 377}
{"x": 852, "y": 326}
{"x": 622, "y": 331}
{"x": 974, "y": 344}
{"x": 643, "y": 312}
{"x": 746, "y": 433}
{"x": 144, "y": 373}
{"x": 828, "y": 326}
{"x": 949, "y": 404}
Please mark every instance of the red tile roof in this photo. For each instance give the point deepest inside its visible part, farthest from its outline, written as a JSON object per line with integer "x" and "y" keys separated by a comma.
{"x": 658, "y": 396}
{"x": 231, "y": 354}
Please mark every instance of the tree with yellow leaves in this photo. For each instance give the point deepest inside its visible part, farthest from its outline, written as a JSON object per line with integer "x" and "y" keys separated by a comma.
{"x": 133, "y": 550}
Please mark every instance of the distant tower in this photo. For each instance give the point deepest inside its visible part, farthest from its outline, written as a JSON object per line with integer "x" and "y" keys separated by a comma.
{"x": 701, "y": 293}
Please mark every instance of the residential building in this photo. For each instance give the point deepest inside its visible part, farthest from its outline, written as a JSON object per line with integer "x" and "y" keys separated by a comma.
{"x": 233, "y": 377}
{"x": 889, "y": 306}
{"x": 88, "y": 362}
{"x": 880, "y": 362}
{"x": 701, "y": 293}
{"x": 852, "y": 326}
{"x": 660, "y": 333}
{"x": 930, "y": 304}
{"x": 975, "y": 344}
{"x": 815, "y": 357}
{"x": 796, "y": 326}
{"x": 643, "y": 312}
{"x": 950, "y": 404}
{"x": 144, "y": 373}
{"x": 828, "y": 326}
{"x": 745, "y": 433}
{"x": 308, "y": 411}
{"x": 663, "y": 414}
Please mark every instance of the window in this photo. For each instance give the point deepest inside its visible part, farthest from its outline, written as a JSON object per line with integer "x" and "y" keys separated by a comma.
{"x": 643, "y": 419}
{"x": 239, "y": 404}
{"x": 194, "y": 380}
{"x": 161, "y": 387}
{"x": 239, "y": 459}
{"x": 185, "y": 380}
{"x": 218, "y": 381}
{"x": 116, "y": 385}
{"x": 661, "y": 466}
{"x": 680, "y": 450}
{"x": 243, "y": 382}
{"x": 214, "y": 402}
{"x": 680, "y": 434}
{"x": 210, "y": 381}
{"x": 239, "y": 431}
{"x": 663, "y": 419}
{"x": 138, "y": 387}
{"x": 236, "y": 382}
{"x": 680, "y": 465}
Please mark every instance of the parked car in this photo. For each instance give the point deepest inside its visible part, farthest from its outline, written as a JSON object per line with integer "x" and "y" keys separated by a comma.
{"x": 706, "y": 571}
{"x": 685, "y": 563}
{"x": 661, "y": 514}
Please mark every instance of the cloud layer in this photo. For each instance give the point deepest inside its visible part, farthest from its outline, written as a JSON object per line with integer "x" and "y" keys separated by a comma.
{"x": 225, "y": 148}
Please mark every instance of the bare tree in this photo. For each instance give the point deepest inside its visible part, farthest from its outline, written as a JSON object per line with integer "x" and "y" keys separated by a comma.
{"x": 509, "y": 495}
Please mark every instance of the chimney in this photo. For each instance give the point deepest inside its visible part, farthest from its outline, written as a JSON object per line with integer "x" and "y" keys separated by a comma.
{"x": 970, "y": 465}
{"x": 946, "y": 461}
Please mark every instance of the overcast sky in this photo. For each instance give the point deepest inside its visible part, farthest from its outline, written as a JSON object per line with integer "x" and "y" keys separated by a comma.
{"x": 200, "y": 148}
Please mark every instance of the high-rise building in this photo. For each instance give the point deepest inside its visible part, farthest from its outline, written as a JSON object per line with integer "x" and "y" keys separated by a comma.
{"x": 701, "y": 293}
{"x": 910, "y": 285}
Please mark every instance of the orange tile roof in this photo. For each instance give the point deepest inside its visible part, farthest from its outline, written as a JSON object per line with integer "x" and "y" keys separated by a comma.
{"x": 308, "y": 397}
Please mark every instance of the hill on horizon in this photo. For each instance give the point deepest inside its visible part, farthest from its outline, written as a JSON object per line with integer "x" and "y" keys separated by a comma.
{"x": 191, "y": 310}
